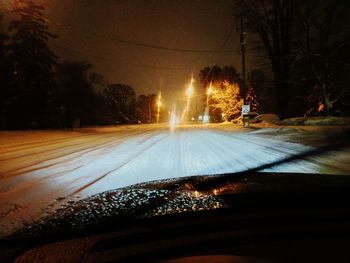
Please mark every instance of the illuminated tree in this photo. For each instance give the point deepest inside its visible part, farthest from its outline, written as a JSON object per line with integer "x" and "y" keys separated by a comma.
{"x": 226, "y": 98}
{"x": 218, "y": 75}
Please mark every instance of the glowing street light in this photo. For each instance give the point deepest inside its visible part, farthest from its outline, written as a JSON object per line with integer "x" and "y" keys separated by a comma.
{"x": 189, "y": 90}
{"x": 210, "y": 90}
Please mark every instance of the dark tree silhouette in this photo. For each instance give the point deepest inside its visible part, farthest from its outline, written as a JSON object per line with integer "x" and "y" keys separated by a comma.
{"x": 306, "y": 44}
{"x": 143, "y": 108}
{"x": 323, "y": 40}
{"x": 261, "y": 84}
{"x": 5, "y": 75}
{"x": 218, "y": 74}
{"x": 273, "y": 21}
{"x": 146, "y": 108}
{"x": 33, "y": 62}
{"x": 75, "y": 94}
{"x": 122, "y": 100}
{"x": 252, "y": 100}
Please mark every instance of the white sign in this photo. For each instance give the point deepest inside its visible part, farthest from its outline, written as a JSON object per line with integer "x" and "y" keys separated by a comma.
{"x": 245, "y": 109}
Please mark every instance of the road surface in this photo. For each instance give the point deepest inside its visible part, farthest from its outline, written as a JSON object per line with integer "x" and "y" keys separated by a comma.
{"x": 39, "y": 170}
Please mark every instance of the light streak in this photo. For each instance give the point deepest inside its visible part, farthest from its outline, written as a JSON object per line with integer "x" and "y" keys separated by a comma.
{"x": 173, "y": 121}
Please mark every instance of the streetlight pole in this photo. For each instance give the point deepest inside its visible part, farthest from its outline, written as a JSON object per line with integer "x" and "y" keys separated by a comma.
{"x": 159, "y": 104}
{"x": 209, "y": 92}
{"x": 189, "y": 92}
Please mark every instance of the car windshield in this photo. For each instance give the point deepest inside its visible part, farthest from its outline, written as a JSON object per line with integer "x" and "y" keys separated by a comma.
{"x": 99, "y": 96}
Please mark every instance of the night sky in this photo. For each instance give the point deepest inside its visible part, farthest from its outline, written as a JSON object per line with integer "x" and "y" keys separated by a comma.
{"x": 89, "y": 30}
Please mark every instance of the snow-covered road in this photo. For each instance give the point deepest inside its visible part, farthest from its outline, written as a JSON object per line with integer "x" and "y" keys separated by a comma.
{"x": 40, "y": 170}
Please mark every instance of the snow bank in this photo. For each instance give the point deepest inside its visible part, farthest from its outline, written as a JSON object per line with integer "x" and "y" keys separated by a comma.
{"x": 315, "y": 121}
{"x": 269, "y": 118}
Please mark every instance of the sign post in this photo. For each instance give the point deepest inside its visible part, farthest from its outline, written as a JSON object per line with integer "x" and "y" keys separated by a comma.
{"x": 245, "y": 114}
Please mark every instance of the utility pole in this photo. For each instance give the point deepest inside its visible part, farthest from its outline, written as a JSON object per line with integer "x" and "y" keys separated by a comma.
{"x": 245, "y": 108}
{"x": 243, "y": 43}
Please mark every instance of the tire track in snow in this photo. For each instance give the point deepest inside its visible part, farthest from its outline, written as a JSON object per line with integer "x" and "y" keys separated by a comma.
{"x": 313, "y": 164}
{"x": 29, "y": 204}
{"x": 238, "y": 156}
{"x": 39, "y": 143}
{"x": 270, "y": 151}
{"x": 5, "y": 187}
{"x": 74, "y": 154}
{"x": 4, "y": 168}
{"x": 190, "y": 150}
{"x": 140, "y": 152}
{"x": 56, "y": 176}
{"x": 29, "y": 207}
{"x": 39, "y": 151}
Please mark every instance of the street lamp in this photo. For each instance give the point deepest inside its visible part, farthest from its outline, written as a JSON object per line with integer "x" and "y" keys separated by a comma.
{"x": 189, "y": 90}
{"x": 210, "y": 90}
{"x": 207, "y": 110}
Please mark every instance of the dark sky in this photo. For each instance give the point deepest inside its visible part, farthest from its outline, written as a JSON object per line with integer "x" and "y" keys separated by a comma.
{"x": 89, "y": 29}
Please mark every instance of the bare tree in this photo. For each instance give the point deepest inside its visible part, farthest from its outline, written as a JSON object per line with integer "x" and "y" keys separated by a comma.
{"x": 123, "y": 99}
{"x": 5, "y": 73}
{"x": 305, "y": 43}
{"x": 261, "y": 84}
{"x": 218, "y": 74}
{"x": 74, "y": 93}
{"x": 273, "y": 20}
{"x": 323, "y": 34}
{"x": 33, "y": 66}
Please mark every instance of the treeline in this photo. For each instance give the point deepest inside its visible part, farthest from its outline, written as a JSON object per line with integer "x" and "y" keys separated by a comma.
{"x": 304, "y": 53}
{"x": 38, "y": 91}
{"x": 301, "y": 57}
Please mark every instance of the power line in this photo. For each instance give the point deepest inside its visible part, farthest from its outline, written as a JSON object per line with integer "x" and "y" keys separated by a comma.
{"x": 144, "y": 45}
{"x": 138, "y": 44}
{"x": 151, "y": 46}
{"x": 119, "y": 61}
{"x": 223, "y": 44}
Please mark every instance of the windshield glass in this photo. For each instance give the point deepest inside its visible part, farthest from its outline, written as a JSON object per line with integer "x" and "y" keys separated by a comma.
{"x": 101, "y": 95}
